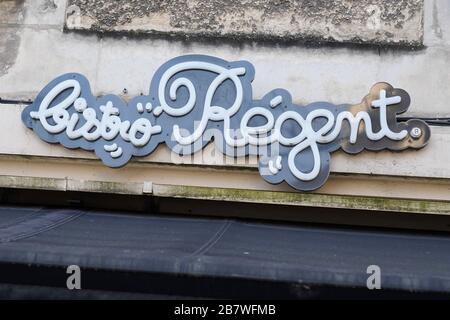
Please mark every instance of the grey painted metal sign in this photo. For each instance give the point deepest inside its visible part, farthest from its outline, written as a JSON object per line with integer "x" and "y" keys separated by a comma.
{"x": 197, "y": 99}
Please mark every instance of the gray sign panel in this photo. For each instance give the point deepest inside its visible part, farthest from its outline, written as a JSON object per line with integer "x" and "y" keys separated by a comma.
{"x": 195, "y": 100}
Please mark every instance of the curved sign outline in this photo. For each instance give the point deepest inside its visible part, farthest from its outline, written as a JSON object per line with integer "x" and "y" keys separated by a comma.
{"x": 196, "y": 99}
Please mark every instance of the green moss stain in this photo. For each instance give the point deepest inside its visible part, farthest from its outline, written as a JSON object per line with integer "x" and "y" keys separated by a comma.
{"x": 233, "y": 195}
{"x": 32, "y": 183}
{"x": 105, "y": 187}
{"x": 305, "y": 199}
{"x": 70, "y": 185}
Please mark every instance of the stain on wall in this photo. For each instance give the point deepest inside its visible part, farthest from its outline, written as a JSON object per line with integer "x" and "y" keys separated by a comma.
{"x": 12, "y": 13}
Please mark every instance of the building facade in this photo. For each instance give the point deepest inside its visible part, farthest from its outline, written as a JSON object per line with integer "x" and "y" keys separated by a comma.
{"x": 332, "y": 51}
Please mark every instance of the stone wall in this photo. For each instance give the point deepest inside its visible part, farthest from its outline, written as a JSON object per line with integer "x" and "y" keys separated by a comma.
{"x": 382, "y": 22}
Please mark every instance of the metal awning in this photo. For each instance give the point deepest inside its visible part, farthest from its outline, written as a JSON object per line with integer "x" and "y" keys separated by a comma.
{"x": 202, "y": 257}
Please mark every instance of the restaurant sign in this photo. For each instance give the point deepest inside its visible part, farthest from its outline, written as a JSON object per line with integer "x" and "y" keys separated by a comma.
{"x": 195, "y": 100}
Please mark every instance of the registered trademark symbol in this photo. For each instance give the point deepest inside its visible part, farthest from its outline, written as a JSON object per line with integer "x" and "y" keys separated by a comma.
{"x": 416, "y": 132}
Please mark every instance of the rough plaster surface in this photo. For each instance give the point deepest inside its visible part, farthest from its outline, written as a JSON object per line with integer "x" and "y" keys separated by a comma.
{"x": 34, "y": 50}
{"x": 11, "y": 12}
{"x": 9, "y": 44}
{"x": 366, "y": 21}
{"x": 18, "y": 15}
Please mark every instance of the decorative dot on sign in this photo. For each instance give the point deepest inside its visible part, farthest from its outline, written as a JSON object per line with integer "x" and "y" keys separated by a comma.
{"x": 275, "y": 101}
{"x": 157, "y": 111}
{"x": 80, "y": 104}
{"x": 272, "y": 168}
{"x": 278, "y": 163}
{"x": 111, "y": 147}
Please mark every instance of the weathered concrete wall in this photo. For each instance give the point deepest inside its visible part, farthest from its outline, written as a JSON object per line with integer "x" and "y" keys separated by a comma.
{"x": 12, "y": 12}
{"x": 365, "y": 21}
{"x": 34, "y": 49}
{"x": 37, "y": 51}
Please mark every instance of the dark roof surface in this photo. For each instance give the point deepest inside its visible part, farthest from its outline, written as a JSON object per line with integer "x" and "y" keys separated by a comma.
{"x": 296, "y": 254}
